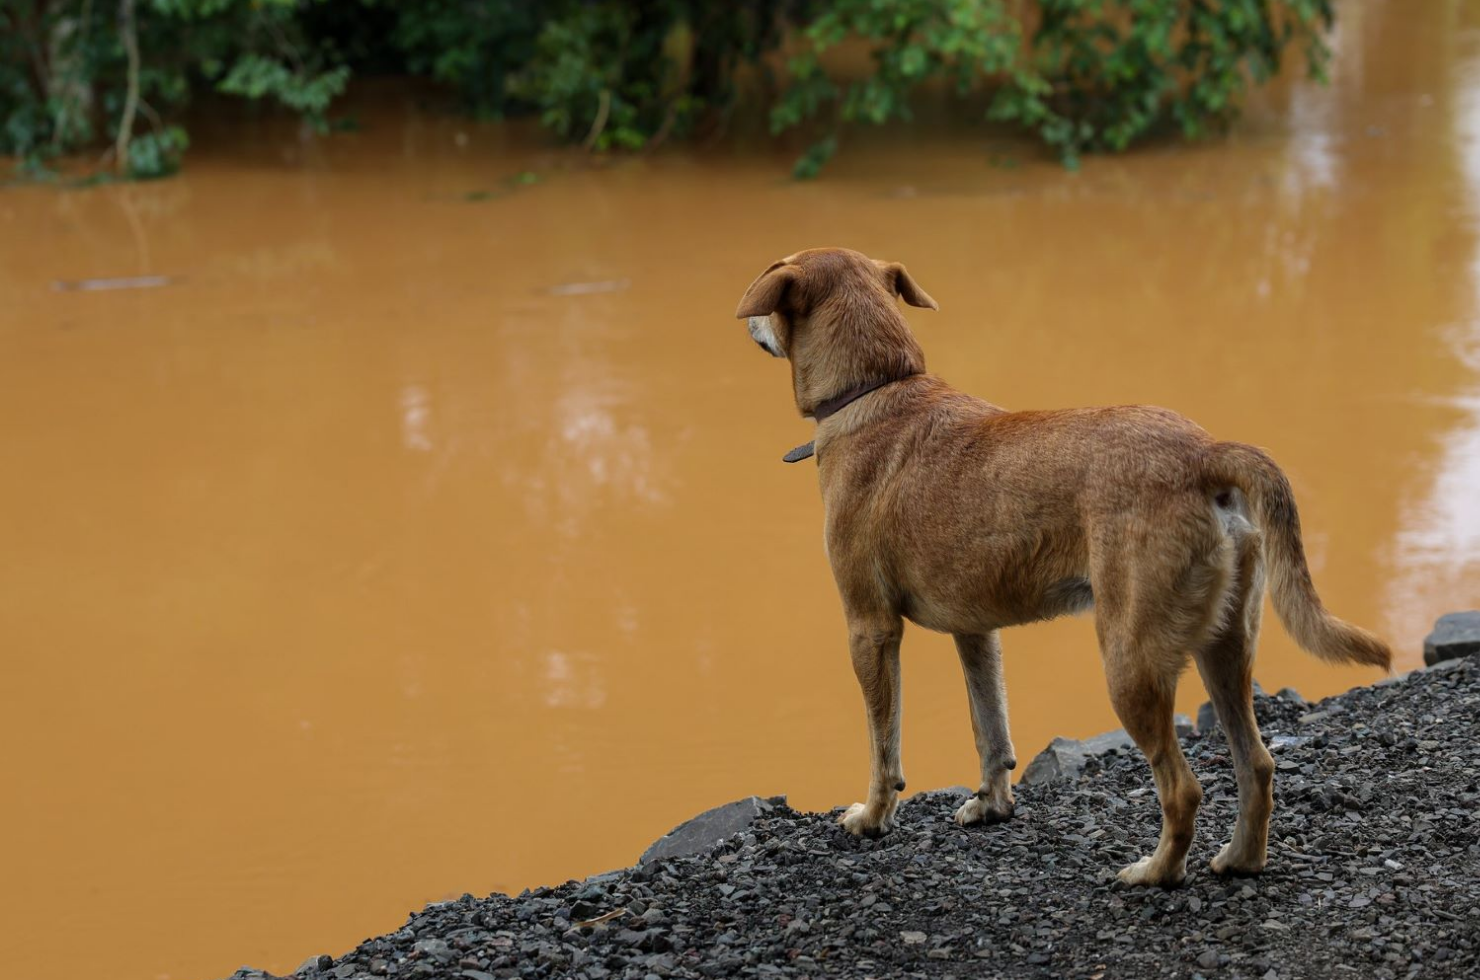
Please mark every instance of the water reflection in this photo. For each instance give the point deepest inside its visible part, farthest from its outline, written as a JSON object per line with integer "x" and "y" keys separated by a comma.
{"x": 572, "y": 680}
{"x": 1314, "y": 162}
{"x": 415, "y": 411}
{"x": 1438, "y": 544}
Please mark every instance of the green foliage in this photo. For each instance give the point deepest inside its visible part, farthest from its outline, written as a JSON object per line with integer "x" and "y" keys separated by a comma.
{"x": 156, "y": 154}
{"x": 1104, "y": 73}
{"x": 1094, "y": 75}
{"x": 622, "y": 75}
{"x": 585, "y": 82}
{"x": 472, "y": 45}
{"x": 304, "y": 91}
{"x": 68, "y": 80}
{"x": 1082, "y": 75}
{"x": 46, "y": 63}
{"x": 913, "y": 41}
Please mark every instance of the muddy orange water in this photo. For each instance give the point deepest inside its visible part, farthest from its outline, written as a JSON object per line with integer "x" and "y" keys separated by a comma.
{"x": 425, "y": 532}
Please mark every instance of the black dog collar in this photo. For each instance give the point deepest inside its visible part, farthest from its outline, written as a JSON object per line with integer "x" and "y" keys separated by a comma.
{"x": 834, "y": 405}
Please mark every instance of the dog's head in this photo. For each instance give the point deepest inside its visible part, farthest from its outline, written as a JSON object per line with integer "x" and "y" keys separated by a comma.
{"x": 832, "y": 313}
{"x": 822, "y": 284}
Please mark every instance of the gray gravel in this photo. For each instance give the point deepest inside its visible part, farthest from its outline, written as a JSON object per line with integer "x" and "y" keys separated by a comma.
{"x": 1374, "y": 873}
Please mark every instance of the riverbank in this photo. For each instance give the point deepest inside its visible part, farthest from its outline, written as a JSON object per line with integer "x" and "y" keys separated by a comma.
{"x": 1374, "y": 872}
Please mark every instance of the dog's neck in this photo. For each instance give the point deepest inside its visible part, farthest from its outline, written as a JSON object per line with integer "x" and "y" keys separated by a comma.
{"x": 832, "y": 406}
{"x": 848, "y": 353}
{"x": 829, "y": 407}
{"x": 841, "y": 354}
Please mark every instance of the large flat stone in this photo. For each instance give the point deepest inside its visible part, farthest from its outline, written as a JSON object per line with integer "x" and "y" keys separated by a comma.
{"x": 1455, "y": 635}
{"x": 699, "y": 834}
{"x": 1065, "y": 757}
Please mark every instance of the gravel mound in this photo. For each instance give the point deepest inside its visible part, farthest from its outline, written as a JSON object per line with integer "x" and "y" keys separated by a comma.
{"x": 1374, "y": 873}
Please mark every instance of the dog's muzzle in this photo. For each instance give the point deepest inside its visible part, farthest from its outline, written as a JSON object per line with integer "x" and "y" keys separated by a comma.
{"x": 763, "y": 335}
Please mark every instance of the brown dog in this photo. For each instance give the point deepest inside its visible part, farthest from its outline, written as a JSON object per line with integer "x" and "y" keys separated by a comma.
{"x": 966, "y": 518}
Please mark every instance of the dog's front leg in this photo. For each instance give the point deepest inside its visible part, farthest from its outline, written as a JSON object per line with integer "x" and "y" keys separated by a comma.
{"x": 981, "y": 661}
{"x": 874, "y": 645}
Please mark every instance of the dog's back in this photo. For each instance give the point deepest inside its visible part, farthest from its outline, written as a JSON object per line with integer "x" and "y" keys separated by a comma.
{"x": 976, "y": 518}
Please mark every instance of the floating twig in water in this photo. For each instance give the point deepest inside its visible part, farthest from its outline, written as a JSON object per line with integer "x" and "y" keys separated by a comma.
{"x": 120, "y": 282}
{"x": 587, "y": 288}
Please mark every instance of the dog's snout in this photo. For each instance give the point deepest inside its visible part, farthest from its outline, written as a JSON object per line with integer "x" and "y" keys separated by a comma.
{"x": 764, "y": 335}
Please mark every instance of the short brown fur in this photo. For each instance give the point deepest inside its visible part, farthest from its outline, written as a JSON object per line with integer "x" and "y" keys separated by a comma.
{"x": 966, "y": 518}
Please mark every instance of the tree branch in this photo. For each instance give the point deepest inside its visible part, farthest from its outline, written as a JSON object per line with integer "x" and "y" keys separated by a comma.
{"x": 129, "y": 31}
{"x": 603, "y": 109}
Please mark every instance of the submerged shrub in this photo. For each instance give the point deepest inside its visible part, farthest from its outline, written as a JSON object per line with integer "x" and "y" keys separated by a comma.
{"x": 913, "y": 41}
{"x": 1082, "y": 75}
{"x": 613, "y": 74}
{"x": 79, "y": 73}
{"x": 1103, "y": 73}
{"x": 472, "y": 45}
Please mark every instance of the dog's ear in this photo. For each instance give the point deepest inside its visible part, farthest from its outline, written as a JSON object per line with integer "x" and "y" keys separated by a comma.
{"x": 767, "y": 294}
{"x": 897, "y": 278}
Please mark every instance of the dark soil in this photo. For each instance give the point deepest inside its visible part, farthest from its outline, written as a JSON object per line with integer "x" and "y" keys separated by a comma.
{"x": 1374, "y": 872}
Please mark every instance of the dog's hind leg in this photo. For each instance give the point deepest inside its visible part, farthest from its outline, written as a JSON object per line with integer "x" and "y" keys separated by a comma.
{"x": 981, "y": 661}
{"x": 1161, "y": 582}
{"x": 1149, "y": 615}
{"x": 1226, "y": 663}
{"x": 874, "y": 645}
{"x": 1142, "y": 693}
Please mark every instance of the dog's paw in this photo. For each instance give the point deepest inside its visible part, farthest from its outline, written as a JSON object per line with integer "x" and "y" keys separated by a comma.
{"x": 857, "y": 821}
{"x": 1146, "y": 872}
{"x": 1227, "y": 862}
{"x": 978, "y": 810}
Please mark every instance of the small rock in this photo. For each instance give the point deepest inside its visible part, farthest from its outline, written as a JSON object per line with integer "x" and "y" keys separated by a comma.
{"x": 912, "y": 938}
{"x": 315, "y": 964}
{"x": 437, "y": 949}
{"x": 594, "y": 891}
{"x": 1455, "y": 635}
{"x": 1207, "y": 718}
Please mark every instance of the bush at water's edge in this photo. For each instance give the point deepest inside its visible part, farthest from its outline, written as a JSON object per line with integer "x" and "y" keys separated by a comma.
{"x": 1082, "y": 75}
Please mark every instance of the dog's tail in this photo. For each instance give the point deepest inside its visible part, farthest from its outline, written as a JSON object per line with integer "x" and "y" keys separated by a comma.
{"x": 1294, "y": 594}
